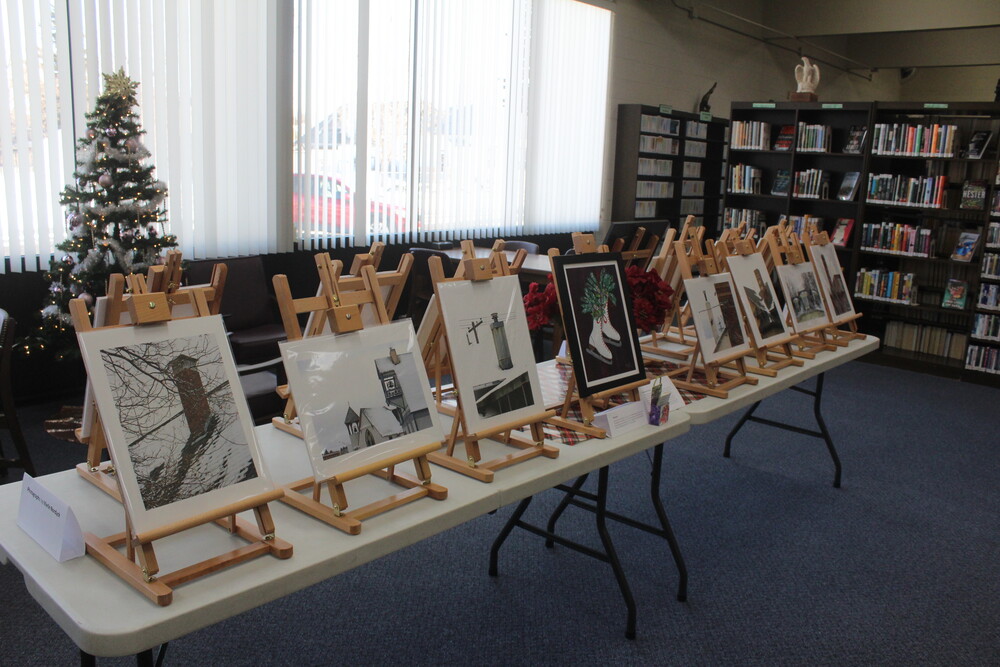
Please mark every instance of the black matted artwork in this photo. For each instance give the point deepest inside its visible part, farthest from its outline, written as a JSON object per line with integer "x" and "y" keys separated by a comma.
{"x": 597, "y": 316}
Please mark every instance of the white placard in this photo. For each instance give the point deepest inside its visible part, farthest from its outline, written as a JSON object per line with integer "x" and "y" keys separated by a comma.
{"x": 49, "y": 521}
{"x": 621, "y": 418}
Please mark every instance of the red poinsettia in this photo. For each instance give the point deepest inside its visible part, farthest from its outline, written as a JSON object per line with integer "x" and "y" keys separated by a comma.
{"x": 651, "y": 297}
{"x": 540, "y": 304}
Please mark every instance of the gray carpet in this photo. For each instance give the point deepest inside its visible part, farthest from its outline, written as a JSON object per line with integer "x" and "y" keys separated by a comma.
{"x": 898, "y": 567}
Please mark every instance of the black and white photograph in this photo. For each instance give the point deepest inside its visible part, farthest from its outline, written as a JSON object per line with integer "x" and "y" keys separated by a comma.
{"x": 179, "y": 431}
{"x": 831, "y": 278}
{"x": 757, "y": 295}
{"x": 717, "y": 320}
{"x": 802, "y": 295}
{"x": 361, "y": 396}
{"x": 491, "y": 353}
{"x": 597, "y": 316}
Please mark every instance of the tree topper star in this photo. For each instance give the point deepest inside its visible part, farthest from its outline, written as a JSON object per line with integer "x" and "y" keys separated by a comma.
{"x": 119, "y": 84}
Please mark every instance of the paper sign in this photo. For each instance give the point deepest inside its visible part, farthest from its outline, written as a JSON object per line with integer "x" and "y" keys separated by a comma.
{"x": 705, "y": 116}
{"x": 621, "y": 418}
{"x": 49, "y": 521}
{"x": 563, "y": 350}
{"x": 832, "y": 106}
{"x": 669, "y": 397}
{"x": 666, "y": 109}
{"x": 763, "y": 105}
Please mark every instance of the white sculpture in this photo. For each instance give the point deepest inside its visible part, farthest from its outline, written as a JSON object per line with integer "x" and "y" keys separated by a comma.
{"x": 807, "y": 76}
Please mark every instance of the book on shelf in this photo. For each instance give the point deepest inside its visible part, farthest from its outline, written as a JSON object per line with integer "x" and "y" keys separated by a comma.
{"x": 965, "y": 247}
{"x": 782, "y": 182}
{"x": 897, "y": 238}
{"x": 990, "y": 266}
{"x": 978, "y": 143}
{"x": 785, "y": 138}
{"x": 849, "y": 186}
{"x": 974, "y": 195}
{"x": 993, "y": 235}
{"x": 856, "y": 139}
{"x": 842, "y": 231}
{"x": 955, "y": 293}
{"x": 995, "y": 207}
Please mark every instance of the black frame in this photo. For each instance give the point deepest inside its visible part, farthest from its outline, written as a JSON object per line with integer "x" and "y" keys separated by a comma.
{"x": 624, "y": 317}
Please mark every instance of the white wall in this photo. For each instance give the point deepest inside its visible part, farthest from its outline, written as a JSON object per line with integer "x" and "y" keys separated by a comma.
{"x": 660, "y": 56}
{"x": 951, "y": 84}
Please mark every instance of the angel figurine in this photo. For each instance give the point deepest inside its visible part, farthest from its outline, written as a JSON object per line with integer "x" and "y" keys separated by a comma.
{"x": 807, "y": 76}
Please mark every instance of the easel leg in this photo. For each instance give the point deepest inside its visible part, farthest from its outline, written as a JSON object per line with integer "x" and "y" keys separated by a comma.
{"x": 505, "y": 532}
{"x": 563, "y": 504}
{"x": 609, "y": 548}
{"x": 668, "y": 533}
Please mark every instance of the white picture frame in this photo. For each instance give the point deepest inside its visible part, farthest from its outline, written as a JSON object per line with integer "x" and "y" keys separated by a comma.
{"x": 177, "y": 424}
{"x": 759, "y": 299}
{"x": 495, "y": 389}
{"x": 803, "y": 298}
{"x": 362, "y": 397}
{"x": 832, "y": 282}
{"x": 716, "y": 314}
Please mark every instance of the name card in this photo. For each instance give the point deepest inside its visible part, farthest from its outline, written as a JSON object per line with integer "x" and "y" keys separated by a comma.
{"x": 49, "y": 521}
{"x": 621, "y": 418}
{"x": 829, "y": 105}
{"x": 666, "y": 109}
{"x": 668, "y": 399}
{"x": 935, "y": 105}
{"x": 705, "y": 116}
{"x": 763, "y": 105}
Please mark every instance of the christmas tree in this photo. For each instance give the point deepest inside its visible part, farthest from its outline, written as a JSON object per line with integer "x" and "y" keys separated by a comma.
{"x": 114, "y": 214}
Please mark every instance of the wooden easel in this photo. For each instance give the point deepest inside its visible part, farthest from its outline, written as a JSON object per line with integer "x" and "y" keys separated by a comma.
{"x": 676, "y": 338}
{"x": 634, "y": 254}
{"x": 340, "y": 312}
{"x": 838, "y": 336}
{"x": 183, "y": 302}
{"x": 472, "y": 465}
{"x": 387, "y": 287}
{"x": 720, "y": 375}
{"x": 776, "y": 355}
{"x": 585, "y": 243}
{"x": 780, "y": 246}
{"x": 138, "y": 566}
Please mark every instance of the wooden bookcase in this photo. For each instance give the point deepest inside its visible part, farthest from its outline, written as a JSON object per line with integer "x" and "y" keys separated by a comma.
{"x": 668, "y": 164}
{"x": 899, "y": 325}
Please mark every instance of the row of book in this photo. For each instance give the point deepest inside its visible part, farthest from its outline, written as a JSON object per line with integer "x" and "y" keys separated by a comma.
{"x": 897, "y": 239}
{"x": 744, "y": 179}
{"x": 654, "y": 189}
{"x": 993, "y": 235}
{"x": 925, "y": 339}
{"x": 696, "y": 129}
{"x": 645, "y": 209}
{"x": 754, "y": 219}
{"x": 900, "y": 190}
{"x": 750, "y": 135}
{"x": 659, "y": 125}
{"x": 808, "y": 184}
{"x": 908, "y": 139}
{"x": 982, "y": 358}
{"x": 882, "y": 285}
{"x": 651, "y": 144}
{"x": 986, "y": 326}
{"x": 694, "y": 206}
{"x": 692, "y": 188}
{"x": 990, "y": 266}
{"x": 799, "y": 223}
{"x": 652, "y": 167}
{"x": 989, "y": 296}
{"x": 813, "y": 138}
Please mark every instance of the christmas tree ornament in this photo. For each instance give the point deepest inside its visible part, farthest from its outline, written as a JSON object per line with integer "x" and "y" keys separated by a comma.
{"x": 111, "y": 132}
{"x": 105, "y": 180}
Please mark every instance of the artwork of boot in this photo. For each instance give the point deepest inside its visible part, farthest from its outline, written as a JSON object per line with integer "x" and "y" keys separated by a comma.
{"x": 610, "y": 334}
{"x": 596, "y": 345}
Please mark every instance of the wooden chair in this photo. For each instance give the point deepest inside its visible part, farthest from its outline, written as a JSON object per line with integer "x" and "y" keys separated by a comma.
{"x": 8, "y": 414}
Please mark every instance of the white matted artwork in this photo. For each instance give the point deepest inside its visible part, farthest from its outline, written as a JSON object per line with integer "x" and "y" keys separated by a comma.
{"x": 361, "y": 396}
{"x": 177, "y": 424}
{"x": 717, "y": 319}
{"x": 491, "y": 354}
{"x": 760, "y": 302}
{"x": 831, "y": 279}
{"x": 802, "y": 296}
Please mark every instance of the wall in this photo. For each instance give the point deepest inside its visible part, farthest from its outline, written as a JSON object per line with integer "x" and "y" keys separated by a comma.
{"x": 660, "y": 56}
{"x": 951, "y": 84}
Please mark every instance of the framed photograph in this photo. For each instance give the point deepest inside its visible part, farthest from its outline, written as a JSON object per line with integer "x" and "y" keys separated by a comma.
{"x": 383, "y": 409}
{"x": 491, "y": 354}
{"x": 831, "y": 278}
{"x": 717, "y": 320}
{"x": 177, "y": 424}
{"x": 597, "y": 316}
{"x": 757, "y": 294}
{"x": 802, "y": 295}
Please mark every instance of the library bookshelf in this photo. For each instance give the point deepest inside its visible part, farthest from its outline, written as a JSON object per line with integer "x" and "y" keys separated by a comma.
{"x": 668, "y": 165}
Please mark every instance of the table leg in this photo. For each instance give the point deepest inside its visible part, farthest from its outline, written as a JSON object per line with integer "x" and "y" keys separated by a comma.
{"x": 668, "y": 532}
{"x": 609, "y": 549}
{"x": 513, "y": 521}
{"x": 822, "y": 433}
{"x": 563, "y": 504}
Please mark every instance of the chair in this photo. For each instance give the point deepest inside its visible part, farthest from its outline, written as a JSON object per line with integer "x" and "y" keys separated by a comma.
{"x": 421, "y": 286}
{"x": 8, "y": 414}
{"x": 528, "y": 246}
